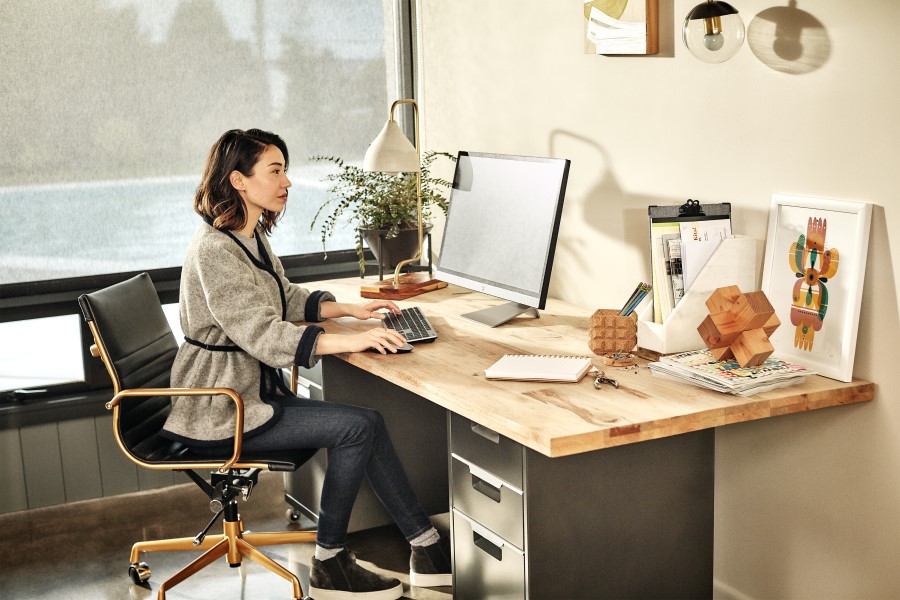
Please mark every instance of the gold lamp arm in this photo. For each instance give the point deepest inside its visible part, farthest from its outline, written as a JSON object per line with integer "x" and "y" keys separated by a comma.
{"x": 418, "y": 255}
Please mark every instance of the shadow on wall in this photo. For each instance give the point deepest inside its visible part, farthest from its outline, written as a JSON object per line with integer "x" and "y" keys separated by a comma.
{"x": 875, "y": 319}
{"x": 621, "y": 216}
{"x": 788, "y": 39}
{"x": 608, "y": 209}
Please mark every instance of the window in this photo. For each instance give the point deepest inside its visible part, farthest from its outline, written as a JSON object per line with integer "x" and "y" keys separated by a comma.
{"x": 110, "y": 107}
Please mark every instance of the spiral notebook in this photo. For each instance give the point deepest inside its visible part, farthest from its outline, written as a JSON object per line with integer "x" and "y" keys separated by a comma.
{"x": 533, "y": 367}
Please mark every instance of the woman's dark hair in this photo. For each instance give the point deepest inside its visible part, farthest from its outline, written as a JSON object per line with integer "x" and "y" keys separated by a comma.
{"x": 236, "y": 150}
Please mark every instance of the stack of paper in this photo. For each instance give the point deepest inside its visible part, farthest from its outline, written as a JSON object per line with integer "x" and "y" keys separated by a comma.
{"x": 700, "y": 368}
{"x": 699, "y": 239}
{"x": 615, "y": 36}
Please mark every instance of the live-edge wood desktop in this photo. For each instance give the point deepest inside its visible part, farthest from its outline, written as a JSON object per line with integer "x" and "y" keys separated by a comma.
{"x": 549, "y": 494}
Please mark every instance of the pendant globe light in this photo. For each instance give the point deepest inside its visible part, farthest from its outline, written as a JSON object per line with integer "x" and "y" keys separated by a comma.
{"x": 713, "y": 31}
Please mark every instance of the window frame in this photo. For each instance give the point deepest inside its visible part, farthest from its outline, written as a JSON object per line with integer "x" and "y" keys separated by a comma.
{"x": 59, "y": 297}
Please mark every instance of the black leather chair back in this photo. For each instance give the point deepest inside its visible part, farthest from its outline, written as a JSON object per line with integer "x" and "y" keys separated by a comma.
{"x": 130, "y": 322}
{"x": 141, "y": 348}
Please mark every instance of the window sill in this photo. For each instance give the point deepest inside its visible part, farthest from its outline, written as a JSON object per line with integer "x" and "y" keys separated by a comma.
{"x": 54, "y": 409}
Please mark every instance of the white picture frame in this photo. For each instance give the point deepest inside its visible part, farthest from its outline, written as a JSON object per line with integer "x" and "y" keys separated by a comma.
{"x": 842, "y": 228}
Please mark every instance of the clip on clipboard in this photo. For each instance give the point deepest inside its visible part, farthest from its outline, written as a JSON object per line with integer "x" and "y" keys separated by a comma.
{"x": 691, "y": 208}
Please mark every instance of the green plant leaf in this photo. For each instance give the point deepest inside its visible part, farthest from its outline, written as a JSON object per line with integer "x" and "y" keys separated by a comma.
{"x": 377, "y": 200}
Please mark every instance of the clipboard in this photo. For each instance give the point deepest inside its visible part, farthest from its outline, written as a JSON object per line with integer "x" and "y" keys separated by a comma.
{"x": 666, "y": 255}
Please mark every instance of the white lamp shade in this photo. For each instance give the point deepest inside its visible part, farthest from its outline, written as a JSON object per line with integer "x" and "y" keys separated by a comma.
{"x": 391, "y": 152}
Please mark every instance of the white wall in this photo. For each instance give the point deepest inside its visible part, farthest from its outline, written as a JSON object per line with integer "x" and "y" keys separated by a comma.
{"x": 807, "y": 506}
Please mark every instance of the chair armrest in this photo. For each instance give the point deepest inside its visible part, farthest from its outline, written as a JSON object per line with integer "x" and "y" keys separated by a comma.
{"x": 294, "y": 375}
{"x": 238, "y": 402}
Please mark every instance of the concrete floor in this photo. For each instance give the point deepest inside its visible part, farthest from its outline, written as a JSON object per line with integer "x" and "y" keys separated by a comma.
{"x": 80, "y": 551}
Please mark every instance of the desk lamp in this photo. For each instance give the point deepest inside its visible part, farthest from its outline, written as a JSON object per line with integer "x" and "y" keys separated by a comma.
{"x": 391, "y": 152}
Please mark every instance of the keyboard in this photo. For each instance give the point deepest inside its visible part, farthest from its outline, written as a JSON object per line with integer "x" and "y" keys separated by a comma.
{"x": 411, "y": 324}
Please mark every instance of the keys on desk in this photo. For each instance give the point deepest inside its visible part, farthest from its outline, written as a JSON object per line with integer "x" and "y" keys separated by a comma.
{"x": 600, "y": 378}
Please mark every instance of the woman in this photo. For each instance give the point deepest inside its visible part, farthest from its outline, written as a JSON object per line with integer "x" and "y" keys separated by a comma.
{"x": 237, "y": 311}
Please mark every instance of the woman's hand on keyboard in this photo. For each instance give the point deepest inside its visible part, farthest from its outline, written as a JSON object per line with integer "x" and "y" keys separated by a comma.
{"x": 362, "y": 310}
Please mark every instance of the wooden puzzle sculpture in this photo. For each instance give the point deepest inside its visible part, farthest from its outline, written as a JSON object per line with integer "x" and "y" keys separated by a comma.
{"x": 738, "y": 326}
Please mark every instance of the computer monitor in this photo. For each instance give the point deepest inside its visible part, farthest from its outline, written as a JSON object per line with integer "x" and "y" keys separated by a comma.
{"x": 501, "y": 229}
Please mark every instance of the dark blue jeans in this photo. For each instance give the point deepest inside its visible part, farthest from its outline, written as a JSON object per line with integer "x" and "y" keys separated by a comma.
{"x": 358, "y": 445}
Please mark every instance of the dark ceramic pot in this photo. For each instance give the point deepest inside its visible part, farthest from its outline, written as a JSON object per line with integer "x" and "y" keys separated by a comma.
{"x": 390, "y": 251}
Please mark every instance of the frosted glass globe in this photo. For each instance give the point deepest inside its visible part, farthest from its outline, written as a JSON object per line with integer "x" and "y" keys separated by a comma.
{"x": 713, "y": 31}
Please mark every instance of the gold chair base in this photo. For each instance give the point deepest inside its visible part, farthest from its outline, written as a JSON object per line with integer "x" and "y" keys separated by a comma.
{"x": 233, "y": 544}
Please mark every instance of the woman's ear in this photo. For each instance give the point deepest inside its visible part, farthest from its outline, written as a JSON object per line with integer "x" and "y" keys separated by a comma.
{"x": 237, "y": 180}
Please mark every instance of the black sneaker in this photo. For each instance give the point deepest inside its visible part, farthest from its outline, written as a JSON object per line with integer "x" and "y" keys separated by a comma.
{"x": 430, "y": 566}
{"x": 340, "y": 578}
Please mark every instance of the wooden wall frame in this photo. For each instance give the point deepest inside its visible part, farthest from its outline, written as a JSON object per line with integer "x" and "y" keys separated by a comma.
{"x": 621, "y": 27}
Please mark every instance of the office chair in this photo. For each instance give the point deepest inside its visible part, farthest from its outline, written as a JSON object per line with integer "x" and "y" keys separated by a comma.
{"x": 137, "y": 347}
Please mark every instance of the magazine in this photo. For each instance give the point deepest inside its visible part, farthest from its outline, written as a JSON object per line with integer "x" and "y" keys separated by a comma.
{"x": 700, "y": 368}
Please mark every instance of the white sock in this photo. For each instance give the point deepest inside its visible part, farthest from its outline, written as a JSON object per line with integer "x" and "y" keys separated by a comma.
{"x": 326, "y": 553}
{"x": 426, "y": 539}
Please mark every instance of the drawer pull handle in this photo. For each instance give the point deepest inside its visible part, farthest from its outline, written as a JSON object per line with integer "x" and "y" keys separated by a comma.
{"x": 486, "y": 539}
{"x": 486, "y": 489}
{"x": 487, "y": 477}
{"x": 483, "y": 475}
{"x": 484, "y": 544}
{"x": 486, "y": 433}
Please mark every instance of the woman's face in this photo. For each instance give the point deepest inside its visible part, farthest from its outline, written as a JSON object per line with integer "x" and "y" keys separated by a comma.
{"x": 267, "y": 187}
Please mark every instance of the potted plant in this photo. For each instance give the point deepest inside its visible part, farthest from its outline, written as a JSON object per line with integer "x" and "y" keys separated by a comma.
{"x": 381, "y": 206}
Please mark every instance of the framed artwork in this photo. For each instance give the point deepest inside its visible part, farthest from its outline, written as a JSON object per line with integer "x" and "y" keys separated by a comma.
{"x": 813, "y": 276}
{"x": 618, "y": 27}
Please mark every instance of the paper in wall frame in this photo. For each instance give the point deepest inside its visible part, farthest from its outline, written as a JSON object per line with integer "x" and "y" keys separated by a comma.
{"x": 813, "y": 276}
{"x": 621, "y": 27}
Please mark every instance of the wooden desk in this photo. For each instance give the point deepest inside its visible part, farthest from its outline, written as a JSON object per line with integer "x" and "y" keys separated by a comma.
{"x": 565, "y": 521}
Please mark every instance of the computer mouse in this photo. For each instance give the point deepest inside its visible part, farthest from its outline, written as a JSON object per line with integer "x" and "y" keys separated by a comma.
{"x": 406, "y": 347}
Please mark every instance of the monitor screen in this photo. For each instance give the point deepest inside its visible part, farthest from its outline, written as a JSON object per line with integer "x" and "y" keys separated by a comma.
{"x": 501, "y": 229}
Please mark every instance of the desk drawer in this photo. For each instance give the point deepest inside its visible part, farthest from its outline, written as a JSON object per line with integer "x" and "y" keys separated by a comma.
{"x": 489, "y": 450}
{"x": 489, "y": 500}
{"x": 484, "y": 564}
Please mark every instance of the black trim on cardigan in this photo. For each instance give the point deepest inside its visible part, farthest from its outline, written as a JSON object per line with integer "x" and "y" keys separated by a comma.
{"x": 306, "y": 346}
{"x": 271, "y": 271}
{"x": 271, "y": 384}
{"x": 262, "y": 250}
{"x": 311, "y": 310}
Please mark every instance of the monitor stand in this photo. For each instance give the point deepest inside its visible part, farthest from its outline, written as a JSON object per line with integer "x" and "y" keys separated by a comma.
{"x": 500, "y": 314}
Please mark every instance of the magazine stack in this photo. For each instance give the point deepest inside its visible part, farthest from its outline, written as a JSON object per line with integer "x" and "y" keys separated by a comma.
{"x": 700, "y": 368}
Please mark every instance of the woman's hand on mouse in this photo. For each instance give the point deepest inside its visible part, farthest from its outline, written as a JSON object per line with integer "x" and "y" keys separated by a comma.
{"x": 381, "y": 339}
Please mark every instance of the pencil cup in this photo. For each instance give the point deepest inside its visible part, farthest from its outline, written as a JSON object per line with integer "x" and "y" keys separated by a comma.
{"x": 610, "y": 332}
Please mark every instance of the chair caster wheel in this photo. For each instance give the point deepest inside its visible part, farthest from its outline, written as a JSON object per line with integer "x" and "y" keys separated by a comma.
{"x": 292, "y": 515}
{"x": 139, "y": 573}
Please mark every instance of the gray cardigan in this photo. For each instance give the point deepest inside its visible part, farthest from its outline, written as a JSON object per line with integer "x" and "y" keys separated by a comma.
{"x": 236, "y": 313}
